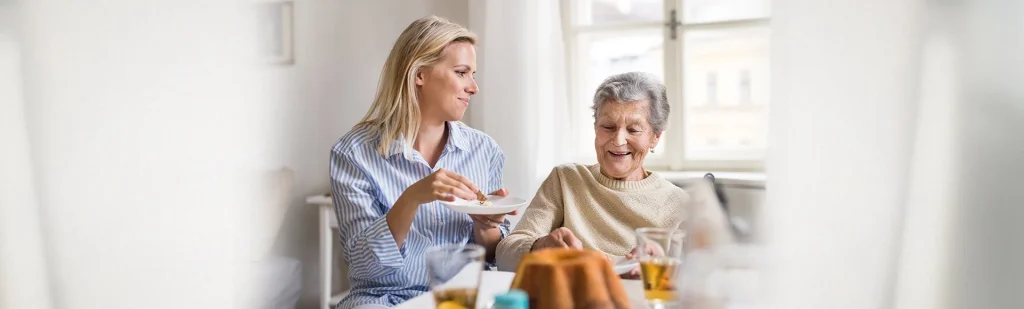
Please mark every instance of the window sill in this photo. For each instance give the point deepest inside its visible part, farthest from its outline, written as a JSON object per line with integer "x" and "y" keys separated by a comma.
{"x": 729, "y": 179}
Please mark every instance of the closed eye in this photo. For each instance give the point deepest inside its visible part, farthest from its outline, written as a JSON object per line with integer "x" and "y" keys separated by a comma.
{"x": 461, "y": 73}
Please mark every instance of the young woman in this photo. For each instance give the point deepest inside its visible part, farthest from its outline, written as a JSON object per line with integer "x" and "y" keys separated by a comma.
{"x": 408, "y": 152}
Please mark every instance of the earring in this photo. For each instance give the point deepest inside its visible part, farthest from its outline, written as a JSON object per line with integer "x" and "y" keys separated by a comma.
{"x": 652, "y": 150}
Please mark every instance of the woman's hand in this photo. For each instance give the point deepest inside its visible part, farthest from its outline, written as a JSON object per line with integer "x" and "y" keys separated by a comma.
{"x": 486, "y": 222}
{"x": 559, "y": 238}
{"x": 633, "y": 274}
{"x": 652, "y": 250}
{"x": 441, "y": 185}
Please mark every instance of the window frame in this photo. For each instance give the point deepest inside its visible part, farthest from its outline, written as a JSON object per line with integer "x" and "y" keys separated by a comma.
{"x": 673, "y": 158}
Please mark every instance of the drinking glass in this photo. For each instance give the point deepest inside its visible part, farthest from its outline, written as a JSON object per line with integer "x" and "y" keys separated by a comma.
{"x": 455, "y": 272}
{"x": 660, "y": 252}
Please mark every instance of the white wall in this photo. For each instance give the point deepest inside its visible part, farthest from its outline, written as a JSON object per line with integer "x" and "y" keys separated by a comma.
{"x": 140, "y": 126}
{"x": 454, "y": 10}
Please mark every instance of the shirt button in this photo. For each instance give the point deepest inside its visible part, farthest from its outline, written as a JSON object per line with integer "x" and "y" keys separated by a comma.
{"x": 442, "y": 222}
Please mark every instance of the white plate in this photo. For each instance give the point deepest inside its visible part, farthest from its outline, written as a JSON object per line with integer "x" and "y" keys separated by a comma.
{"x": 622, "y": 265}
{"x": 499, "y": 205}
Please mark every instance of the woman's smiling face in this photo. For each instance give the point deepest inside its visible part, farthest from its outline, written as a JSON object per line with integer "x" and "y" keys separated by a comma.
{"x": 623, "y": 137}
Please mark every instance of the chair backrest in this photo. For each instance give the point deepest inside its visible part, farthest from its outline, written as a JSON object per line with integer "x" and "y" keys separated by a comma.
{"x": 719, "y": 192}
{"x": 739, "y": 227}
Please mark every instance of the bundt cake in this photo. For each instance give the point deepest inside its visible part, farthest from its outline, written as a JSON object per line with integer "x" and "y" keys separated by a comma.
{"x": 570, "y": 278}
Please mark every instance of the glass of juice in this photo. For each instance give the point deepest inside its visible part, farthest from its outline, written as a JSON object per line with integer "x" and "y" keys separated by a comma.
{"x": 455, "y": 271}
{"x": 660, "y": 253}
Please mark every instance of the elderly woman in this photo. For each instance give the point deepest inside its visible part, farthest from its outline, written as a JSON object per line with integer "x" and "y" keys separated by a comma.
{"x": 598, "y": 206}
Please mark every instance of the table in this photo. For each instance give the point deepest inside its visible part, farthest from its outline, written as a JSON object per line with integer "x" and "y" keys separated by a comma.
{"x": 494, "y": 283}
{"x": 327, "y": 221}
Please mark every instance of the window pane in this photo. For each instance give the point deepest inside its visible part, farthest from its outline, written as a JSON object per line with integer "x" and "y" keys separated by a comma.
{"x": 602, "y": 12}
{"x": 605, "y": 54}
{"x": 726, "y": 93}
{"x": 702, "y": 11}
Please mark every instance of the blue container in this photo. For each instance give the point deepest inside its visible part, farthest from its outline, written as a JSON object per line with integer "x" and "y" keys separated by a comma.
{"x": 513, "y": 299}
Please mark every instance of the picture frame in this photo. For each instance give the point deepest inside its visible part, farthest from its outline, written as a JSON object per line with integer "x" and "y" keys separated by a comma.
{"x": 275, "y": 24}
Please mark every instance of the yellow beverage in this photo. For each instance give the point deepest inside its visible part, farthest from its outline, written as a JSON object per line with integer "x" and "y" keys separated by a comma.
{"x": 658, "y": 275}
{"x": 463, "y": 298}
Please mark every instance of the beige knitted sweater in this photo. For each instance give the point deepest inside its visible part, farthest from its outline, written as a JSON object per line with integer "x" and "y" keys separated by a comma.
{"x": 601, "y": 212}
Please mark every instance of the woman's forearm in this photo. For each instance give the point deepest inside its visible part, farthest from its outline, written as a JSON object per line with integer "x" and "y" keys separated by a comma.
{"x": 488, "y": 238}
{"x": 400, "y": 219}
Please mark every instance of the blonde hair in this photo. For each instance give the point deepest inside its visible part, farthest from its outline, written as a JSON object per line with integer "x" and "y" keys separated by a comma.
{"x": 395, "y": 112}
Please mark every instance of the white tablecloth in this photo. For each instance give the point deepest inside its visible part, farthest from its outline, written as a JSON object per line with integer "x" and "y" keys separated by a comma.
{"x": 742, "y": 290}
{"x": 497, "y": 282}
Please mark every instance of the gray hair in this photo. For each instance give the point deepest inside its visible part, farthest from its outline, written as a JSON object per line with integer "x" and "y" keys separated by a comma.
{"x": 635, "y": 86}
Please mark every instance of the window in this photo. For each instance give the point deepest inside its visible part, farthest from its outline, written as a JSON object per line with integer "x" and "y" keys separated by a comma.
{"x": 712, "y": 55}
{"x": 745, "y": 86}
{"x": 712, "y": 82}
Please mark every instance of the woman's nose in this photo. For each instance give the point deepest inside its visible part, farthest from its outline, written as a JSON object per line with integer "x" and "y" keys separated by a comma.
{"x": 472, "y": 89}
{"x": 620, "y": 138}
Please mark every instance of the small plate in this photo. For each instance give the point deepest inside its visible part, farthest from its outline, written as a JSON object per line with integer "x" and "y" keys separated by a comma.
{"x": 499, "y": 205}
{"x": 622, "y": 265}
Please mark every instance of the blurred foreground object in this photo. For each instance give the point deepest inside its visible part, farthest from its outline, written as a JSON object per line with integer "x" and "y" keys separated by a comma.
{"x": 142, "y": 131}
{"x": 895, "y": 133}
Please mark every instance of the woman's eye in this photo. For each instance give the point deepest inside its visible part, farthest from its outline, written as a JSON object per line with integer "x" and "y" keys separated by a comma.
{"x": 460, "y": 73}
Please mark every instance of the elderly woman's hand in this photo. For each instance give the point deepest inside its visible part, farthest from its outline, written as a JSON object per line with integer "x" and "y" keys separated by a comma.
{"x": 652, "y": 250}
{"x": 559, "y": 238}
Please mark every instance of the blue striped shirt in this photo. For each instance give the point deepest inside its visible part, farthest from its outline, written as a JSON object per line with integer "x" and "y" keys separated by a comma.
{"x": 366, "y": 184}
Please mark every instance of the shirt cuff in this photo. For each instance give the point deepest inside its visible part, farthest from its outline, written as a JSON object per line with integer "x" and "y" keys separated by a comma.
{"x": 503, "y": 230}
{"x": 382, "y": 243}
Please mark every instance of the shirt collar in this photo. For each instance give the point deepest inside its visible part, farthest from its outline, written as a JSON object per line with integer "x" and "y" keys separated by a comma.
{"x": 457, "y": 135}
{"x": 456, "y": 139}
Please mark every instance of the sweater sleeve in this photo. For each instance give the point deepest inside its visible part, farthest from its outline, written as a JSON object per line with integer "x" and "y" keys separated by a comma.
{"x": 543, "y": 216}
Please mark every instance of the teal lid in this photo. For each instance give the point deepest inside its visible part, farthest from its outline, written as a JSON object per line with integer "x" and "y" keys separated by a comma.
{"x": 513, "y": 299}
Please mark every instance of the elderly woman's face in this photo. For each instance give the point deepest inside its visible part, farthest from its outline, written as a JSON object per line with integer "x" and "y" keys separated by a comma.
{"x": 623, "y": 137}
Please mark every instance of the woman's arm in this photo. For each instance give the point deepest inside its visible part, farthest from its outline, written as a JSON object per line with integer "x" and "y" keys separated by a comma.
{"x": 364, "y": 225}
{"x": 542, "y": 216}
{"x": 366, "y": 239}
{"x": 489, "y": 230}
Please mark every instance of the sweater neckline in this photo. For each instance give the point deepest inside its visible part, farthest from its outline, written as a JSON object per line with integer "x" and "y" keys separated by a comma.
{"x": 650, "y": 182}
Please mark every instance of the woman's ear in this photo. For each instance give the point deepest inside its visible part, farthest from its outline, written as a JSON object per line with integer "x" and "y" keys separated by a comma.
{"x": 419, "y": 76}
{"x": 654, "y": 139}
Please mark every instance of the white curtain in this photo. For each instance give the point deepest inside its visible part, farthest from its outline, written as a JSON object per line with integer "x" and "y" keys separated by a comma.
{"x": 129, "y": 166}
{"x": 523, "y": 101}
{"x": 894, "y": 161}
{"x": 24, "y": 280}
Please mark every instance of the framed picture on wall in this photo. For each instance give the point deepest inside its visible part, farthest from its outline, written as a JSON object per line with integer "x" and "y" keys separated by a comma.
{"x": 275, "y": 33}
